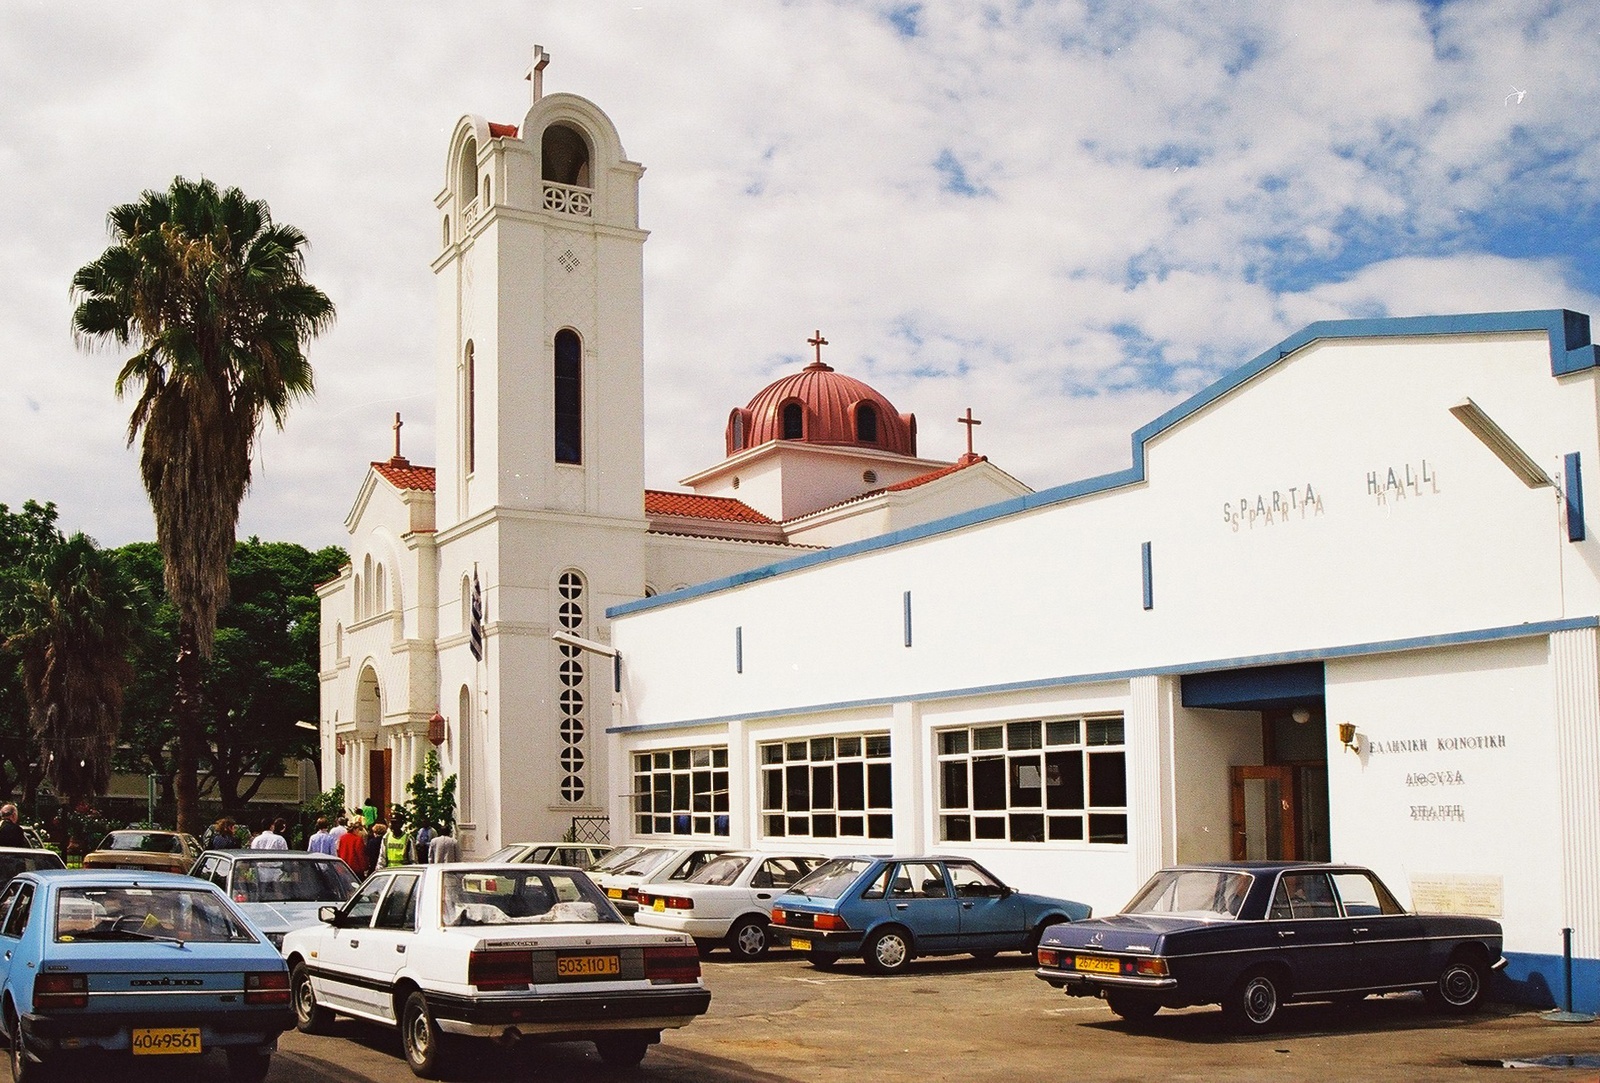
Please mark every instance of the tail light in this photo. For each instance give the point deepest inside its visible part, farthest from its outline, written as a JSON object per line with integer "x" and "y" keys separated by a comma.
{"x": 500, "y": 969}
{"x": 831, "y": 922}
{"x": 631, "y": 893}
{"x": 61, "y": 991}
{"x": 1150, "y": 968}
{"x": 670, "y": 902}
{"x": 1049, "y": 957}
{"x": 666, "y": 965}
{"x": 777, "y": 917}
{"x": 267, "y": 987}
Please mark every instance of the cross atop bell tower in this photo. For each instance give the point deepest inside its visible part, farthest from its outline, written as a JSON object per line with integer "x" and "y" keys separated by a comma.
{"x": 535, "y": 73}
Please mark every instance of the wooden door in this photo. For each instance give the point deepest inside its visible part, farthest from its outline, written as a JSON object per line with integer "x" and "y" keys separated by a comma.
{"x": 378, "y": 762}
{"x": 1265, "y": 814}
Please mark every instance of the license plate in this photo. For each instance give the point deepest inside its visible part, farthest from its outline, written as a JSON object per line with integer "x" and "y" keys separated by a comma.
{"x": 799, "y": 945}
{"x": 659, "y": 904}
{"x": 1097, "y": 966}
{"x": 155, "y": 1041}
{"x": 614, "y": 892}
{"x": 588, "y": 966}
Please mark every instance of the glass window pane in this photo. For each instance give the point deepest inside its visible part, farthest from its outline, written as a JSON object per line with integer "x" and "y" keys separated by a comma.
{"x": 989, "y": 784}
{"x": 849, "y": 746}
{"x": 1066, "y": 827}
{"x": 771, "y": 753}
{"x": 1063, "y": 779}
{"x": 641, "y": 762}
{"x": 853, "y": 826}
{"x": 719, "y": 757}
{"x": 795, "y": 750}
{"x": 990, "y": 827}
{"x": 1022, "y": 735}
{"x": 953, "y": 784}
{"x": 799, "y": 825}
{"x": 775, "y": 827}
{"x": 1027, "y": 827}
{"x": 880, "y": 792}
{"x": 1061, "y": 733}
{"x": 880, "y": 826}
{"x": 1108, "y": 828}
{"x": 952, "y": 742}
{"x": 878, "y": 747}
{"x": 821, "y": 748}
{"x": 1026, "y": 782}
{"x": 989, "y": 737}
{"x": 798, "y": 790}
{"x": 821, "y": 789}
{"x": 1105, "y": 731}
{"x": 1108, "y": 784}
{"x": 852, "y": 786}
{"x": 664, "y": 761}
{"x": 680, "y": 759}
{"x": 956, "y": 828}
{"x": 822, "y": 826}
{"x": 701, "y": 757}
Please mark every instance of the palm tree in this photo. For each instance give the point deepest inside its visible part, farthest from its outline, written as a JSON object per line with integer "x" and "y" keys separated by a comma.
{"x": 71, "y": 616}
{"x": 212, "y": 293}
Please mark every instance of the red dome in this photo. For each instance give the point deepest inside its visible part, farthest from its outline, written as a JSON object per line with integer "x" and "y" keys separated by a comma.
{"x": 820, "y": 406}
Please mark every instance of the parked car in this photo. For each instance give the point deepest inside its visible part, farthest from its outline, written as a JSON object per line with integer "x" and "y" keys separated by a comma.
{"x": 153, "y": 851}
{"x": 34, "y": 836}
{"x": 651, "y": 865}
{"x": 278, "y": 890}
{"x": 1252, "y": 935}
{"x": 727, "y": 901}
{"x": 892, "y": 909}
{"x": 472, "y": 949}
{"x": 138, "y": 964}
{"x": 576, "y": 855}
{"x": 15, "y": 860}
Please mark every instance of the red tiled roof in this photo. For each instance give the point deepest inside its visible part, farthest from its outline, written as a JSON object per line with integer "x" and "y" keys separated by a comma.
{"x": 934, "y": 475}
{"x": 401, "y": 474}
{"x": 694, "y": 506}
{"x": 499, "y": 131}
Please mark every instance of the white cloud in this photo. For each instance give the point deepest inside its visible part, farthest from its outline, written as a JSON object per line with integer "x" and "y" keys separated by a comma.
{"x": 1163, "y": 192}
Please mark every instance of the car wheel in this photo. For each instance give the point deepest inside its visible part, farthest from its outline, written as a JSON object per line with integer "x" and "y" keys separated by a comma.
{"x": 887, "y": 951}
{"x": 1131, "y": 1006}
{"x": 309, "y": 1016}
{"x": 249, "y": 1065}
{"x": 623, "y": 1050}
{"x": 1252, "y": 1004}
{"x": 1461, "y": 988}
{"x": 425, "y": 1046}
{"x": 23, "y": 1068}
{"x": 748, "y": 939}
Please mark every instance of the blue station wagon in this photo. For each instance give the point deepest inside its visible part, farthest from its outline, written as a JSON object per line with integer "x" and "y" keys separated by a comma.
{"x": 138, "y": 964}
{"x": 889, "y": 910}
{"x": 1253, "y": 935}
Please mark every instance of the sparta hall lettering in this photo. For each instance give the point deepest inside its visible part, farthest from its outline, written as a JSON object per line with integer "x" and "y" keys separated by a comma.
{"x": 1396, "y": 483}
{"x": 1264, "y": 509}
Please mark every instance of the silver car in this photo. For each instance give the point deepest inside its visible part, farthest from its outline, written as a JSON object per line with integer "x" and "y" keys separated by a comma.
{"x": 278, "y": 890}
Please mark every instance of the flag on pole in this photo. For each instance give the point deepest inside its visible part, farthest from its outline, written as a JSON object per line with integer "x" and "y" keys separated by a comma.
{"x": 477, "y": 618}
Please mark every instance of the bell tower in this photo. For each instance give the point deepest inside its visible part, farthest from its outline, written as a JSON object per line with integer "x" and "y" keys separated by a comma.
{"x": 541, "y": 280}
{"x": 539, "y": 500}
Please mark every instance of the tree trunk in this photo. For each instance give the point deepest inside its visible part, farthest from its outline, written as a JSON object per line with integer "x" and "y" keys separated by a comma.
{"x": 191, "y": 734}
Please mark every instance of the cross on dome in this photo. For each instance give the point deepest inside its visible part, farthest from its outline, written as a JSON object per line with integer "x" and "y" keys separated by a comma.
{"x": 818, "y": 341}
{"x": 535, "y": 73}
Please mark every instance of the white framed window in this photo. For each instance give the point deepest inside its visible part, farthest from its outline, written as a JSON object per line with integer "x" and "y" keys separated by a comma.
{"x": 681, "y": 791}
{"x": 827, "y": 788}
{"x": 1038, "y": 780}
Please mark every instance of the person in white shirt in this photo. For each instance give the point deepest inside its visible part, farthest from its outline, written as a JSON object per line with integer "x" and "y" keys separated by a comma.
{"x": 271, "y": 837}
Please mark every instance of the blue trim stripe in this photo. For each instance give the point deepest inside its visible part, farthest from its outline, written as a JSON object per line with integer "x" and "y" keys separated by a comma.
{"x": 738, "y": 649}
{"x": 1571, "y": 350}
{"x": 906, "y": 601}
{"x": 1349, "y": 650}
{"x": 1574, "y": 498}
{"x": 1149, "y": 591}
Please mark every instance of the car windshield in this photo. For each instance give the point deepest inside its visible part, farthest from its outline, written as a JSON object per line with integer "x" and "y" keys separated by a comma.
{"x": 617, "y": 858}
{"x": 94, "y": 912}
{"x": 830, "y": 879}
{"x": 514, "y": 896}
{"x": 292, "y": 881}
{"x": 1198, "y": 893}
{"x": 150, "y": 842}
{"x": 722, "y": 870}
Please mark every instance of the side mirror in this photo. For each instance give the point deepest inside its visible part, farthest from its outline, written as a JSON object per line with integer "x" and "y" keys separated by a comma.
{"x": 328, "y": 915}
{"x": 1006, "y": 891}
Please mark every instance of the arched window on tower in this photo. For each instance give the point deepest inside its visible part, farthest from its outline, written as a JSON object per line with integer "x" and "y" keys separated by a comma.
{"x": 866, "y": 423}
{"x": 565, "y": 156}
{"x": 794, "y": 421}
{"x": 468, "y": 183}
{"x": 380, "y": 596}
{"x": 736, "y": 431}
{"x": 466, "y": 751}
{"x": 569, "y": 397}
{"x": 469, "y": 422}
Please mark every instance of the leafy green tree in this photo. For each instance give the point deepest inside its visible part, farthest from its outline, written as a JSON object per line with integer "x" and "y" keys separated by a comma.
{"x": 22, "y": 533}
{"x": 432, "y": 802}
{"x": 71, "y": 618}
{"x": 212, "y": 294}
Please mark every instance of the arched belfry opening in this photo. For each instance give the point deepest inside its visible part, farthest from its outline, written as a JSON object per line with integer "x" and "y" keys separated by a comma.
{"x": 565, "y": 154}
{"x": 468, "y": 171}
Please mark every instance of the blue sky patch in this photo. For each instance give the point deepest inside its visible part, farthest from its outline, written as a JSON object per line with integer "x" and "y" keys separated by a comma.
{"x": 954, "y": 177}
{"x": 904, "y": 19}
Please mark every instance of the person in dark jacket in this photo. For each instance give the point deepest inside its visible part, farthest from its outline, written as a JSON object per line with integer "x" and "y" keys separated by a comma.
{"x": 10, "y": 833}
{"x": 374, "y": 843}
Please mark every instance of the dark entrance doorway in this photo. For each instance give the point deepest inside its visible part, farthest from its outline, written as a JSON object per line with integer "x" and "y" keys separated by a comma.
{"x": 378, "y": 763}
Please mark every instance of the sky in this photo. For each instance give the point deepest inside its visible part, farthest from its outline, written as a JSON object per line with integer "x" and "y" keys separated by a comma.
{"x": 1067, "y": 217}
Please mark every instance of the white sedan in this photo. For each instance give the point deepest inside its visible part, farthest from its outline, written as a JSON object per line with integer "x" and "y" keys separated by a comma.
{"x": 729, "y": 900}
{"x": 652, "y": 864}
{"x": 504, "y": 951}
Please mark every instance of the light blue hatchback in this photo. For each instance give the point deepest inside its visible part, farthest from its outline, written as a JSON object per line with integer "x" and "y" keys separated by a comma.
{"x": 891, "y": 909}
{"x": 137, "y": 964}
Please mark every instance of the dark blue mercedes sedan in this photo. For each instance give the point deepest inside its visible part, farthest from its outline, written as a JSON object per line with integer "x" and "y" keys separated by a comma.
{"x": 1251, "y": 936}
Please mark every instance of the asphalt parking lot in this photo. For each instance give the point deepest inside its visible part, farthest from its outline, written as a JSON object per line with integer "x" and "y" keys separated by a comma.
{"x": 957, "y": 1019}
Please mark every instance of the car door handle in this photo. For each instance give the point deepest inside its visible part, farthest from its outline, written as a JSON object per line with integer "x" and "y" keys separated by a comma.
{"x": 355, "y": 943}
{"x": 1359, "y": 929}
{"x": 400, "y": 948}
{"x": 901, "y": 906}
{"x": 1285, "y": 933}
{"x": 763, "y": 894}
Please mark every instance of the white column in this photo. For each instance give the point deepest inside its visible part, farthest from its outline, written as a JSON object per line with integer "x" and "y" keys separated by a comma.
{"x": 911, "y": 779}
{"x": 744, "y": 805}
{"x": 1575, "y": 662}
{"x": 1148, "y": 733}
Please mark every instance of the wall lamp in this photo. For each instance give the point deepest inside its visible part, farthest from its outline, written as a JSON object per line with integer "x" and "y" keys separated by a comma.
{"x": 1349, "y": 737}
{"x": 1505, "y": 449}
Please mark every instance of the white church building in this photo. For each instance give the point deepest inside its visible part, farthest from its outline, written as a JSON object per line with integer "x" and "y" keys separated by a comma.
{"x": 1342, "y": 604}
{"x": 537, "y": 495}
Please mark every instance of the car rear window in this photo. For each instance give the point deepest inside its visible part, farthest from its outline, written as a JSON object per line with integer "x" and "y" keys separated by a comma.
{"x": 146, "y": 842}
{"x": 721, "y": 870}
{"x": 1200, "y": 893}
{"x": 831, "y": 879}
{"x": 292, "y": 881}
{"x": 145, "y": 913}
{"x": 522, "y": 897}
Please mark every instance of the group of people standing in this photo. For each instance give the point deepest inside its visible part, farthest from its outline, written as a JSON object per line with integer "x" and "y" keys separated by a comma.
{"x": 358, "y": 838}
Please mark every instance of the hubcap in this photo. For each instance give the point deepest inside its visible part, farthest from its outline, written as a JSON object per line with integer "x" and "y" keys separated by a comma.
{"x": 891, "y": 951}
{"x": 418, "y": 1033}
{"x": 752, "y": 940}
{"x": 1260, "y": 1000}
{"x": 1459, "y": 984}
